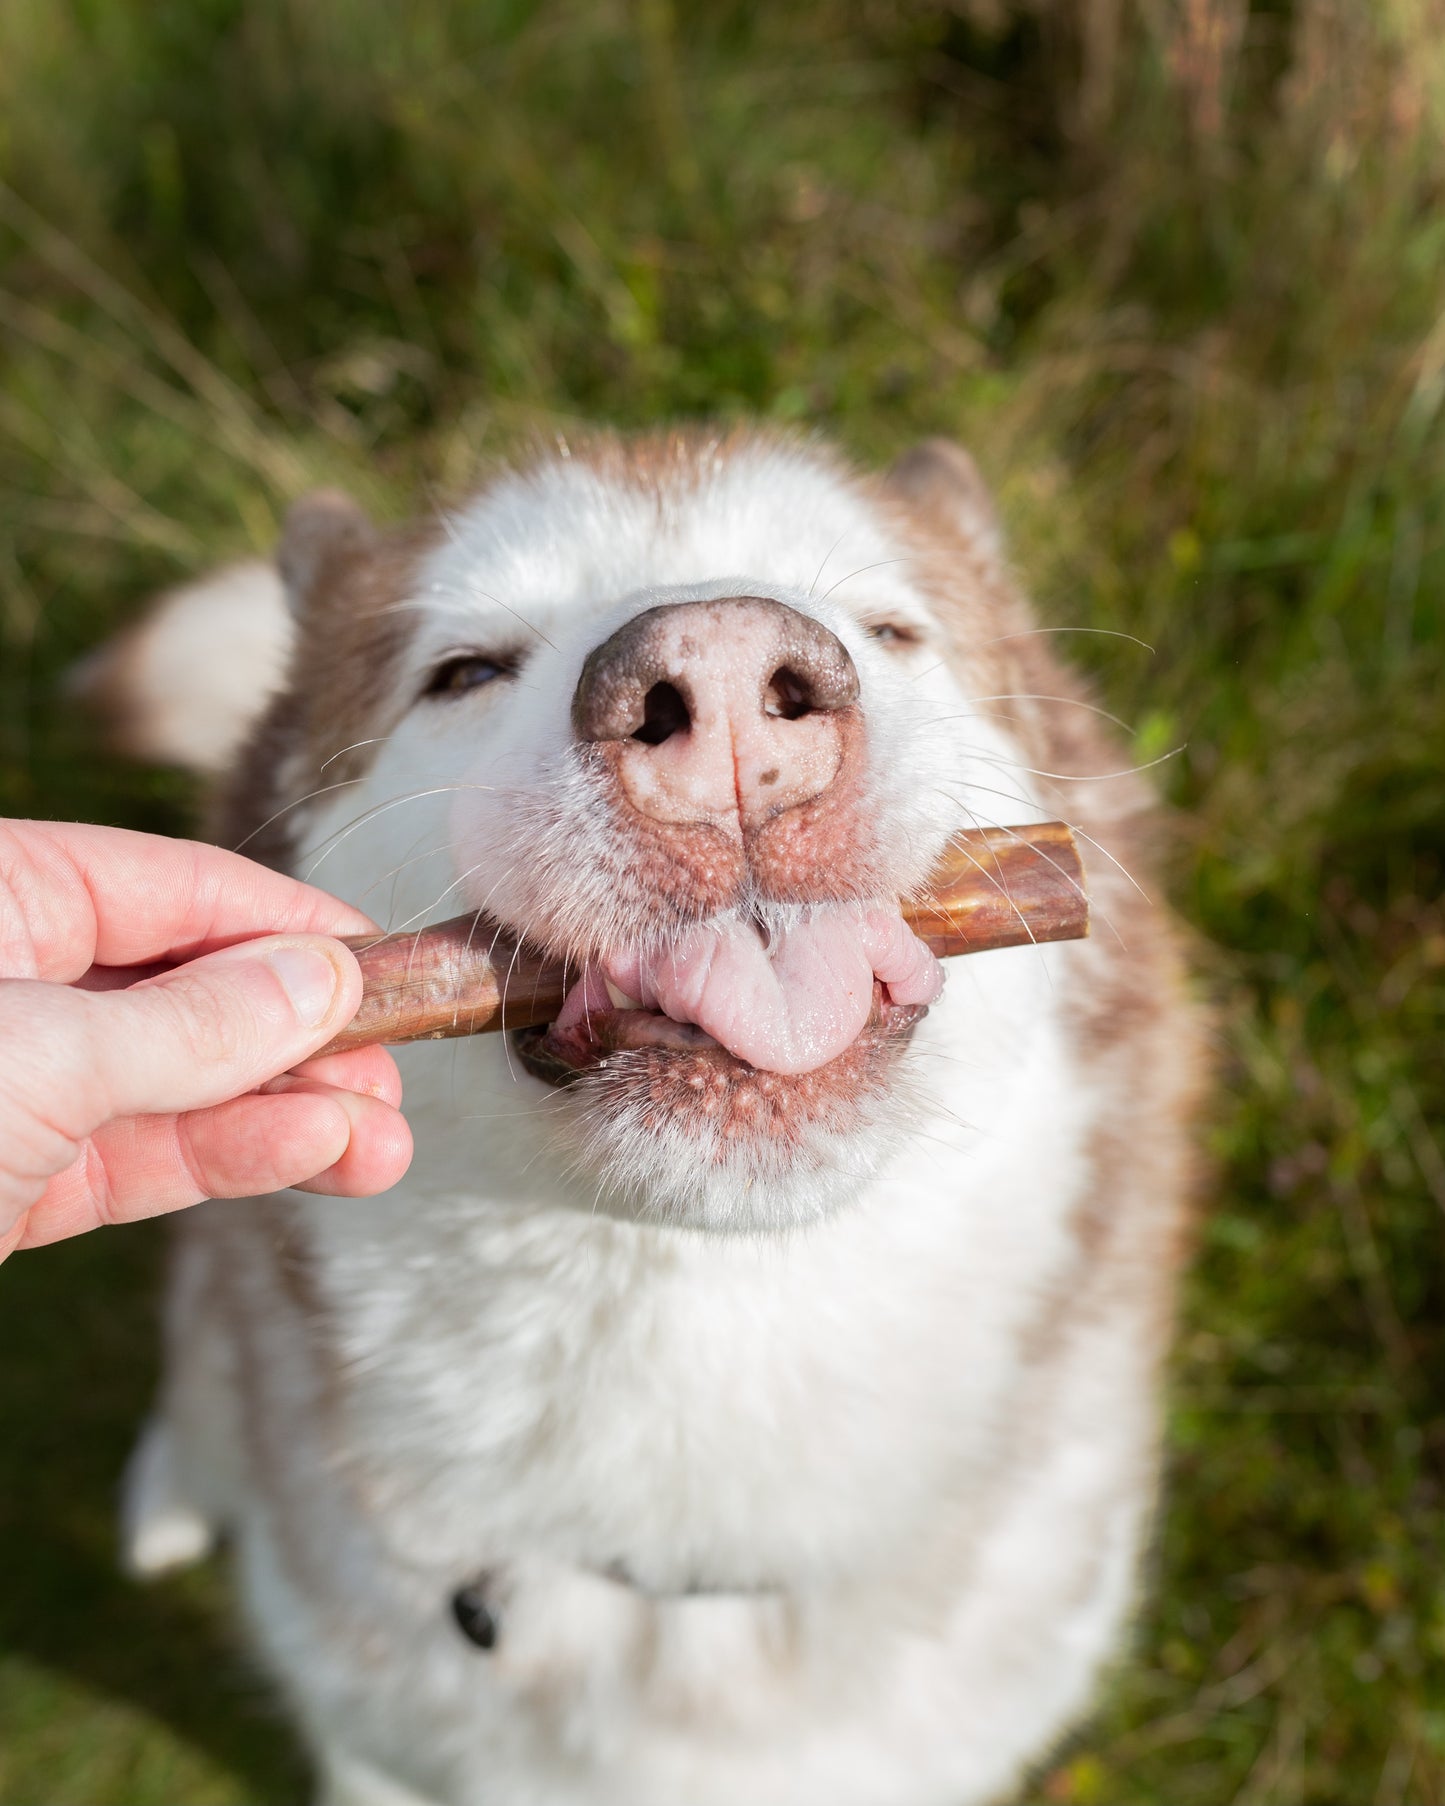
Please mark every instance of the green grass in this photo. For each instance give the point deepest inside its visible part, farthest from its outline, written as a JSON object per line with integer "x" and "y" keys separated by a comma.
{"x": 1181, "y": 288}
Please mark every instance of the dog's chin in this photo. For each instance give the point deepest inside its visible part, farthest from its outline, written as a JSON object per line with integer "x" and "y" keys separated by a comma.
{"x": 677, "y": 1131}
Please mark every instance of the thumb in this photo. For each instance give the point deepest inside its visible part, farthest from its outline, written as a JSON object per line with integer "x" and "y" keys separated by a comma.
{"x": 200, "y": 1034}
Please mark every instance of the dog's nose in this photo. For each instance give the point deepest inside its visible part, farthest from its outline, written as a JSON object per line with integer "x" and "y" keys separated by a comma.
{"x": 723, "y": 710}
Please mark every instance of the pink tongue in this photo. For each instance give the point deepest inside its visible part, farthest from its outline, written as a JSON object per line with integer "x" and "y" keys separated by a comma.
{"x": 790, "y": 1006}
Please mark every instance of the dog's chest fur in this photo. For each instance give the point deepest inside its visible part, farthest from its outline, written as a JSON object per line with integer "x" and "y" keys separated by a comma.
{"x": 695, "y": 1413}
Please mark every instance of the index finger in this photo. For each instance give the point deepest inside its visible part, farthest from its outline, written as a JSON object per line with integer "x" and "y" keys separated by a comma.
{"x": 73, "y": 895}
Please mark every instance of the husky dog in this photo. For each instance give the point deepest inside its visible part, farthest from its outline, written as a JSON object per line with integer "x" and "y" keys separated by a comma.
{"x": 751, "y": 1392}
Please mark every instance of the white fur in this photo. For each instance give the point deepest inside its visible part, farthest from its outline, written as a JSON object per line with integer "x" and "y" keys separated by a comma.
{"x": 916, "y": 1562}
{"x": 161, "y": 1528}
{"x": 194, "y": 673}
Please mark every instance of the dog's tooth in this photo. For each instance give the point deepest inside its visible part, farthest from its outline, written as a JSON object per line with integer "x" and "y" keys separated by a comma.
{"x": 620, "y": 999}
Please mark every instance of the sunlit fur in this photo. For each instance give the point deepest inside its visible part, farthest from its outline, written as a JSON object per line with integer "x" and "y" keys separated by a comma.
{"x": 844, "y": 1508}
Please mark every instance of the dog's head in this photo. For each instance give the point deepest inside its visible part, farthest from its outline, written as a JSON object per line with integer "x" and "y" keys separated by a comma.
{"x": 693, "y": 713}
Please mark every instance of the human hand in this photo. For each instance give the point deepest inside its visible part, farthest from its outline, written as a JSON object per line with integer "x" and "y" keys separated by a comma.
{"x": 117, "y": 1104}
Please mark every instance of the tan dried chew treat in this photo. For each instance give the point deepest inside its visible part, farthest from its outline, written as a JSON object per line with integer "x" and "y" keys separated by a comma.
{"x": 995, "y": 887}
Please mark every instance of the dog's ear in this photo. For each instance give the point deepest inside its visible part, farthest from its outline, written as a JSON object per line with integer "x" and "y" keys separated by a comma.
{"x": 184, "y": 683}
{"x": 939, "y": 478}
{"x": 325, "y": 537}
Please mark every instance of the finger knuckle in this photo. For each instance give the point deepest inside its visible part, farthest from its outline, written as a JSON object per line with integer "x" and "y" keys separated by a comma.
{"x": 98, "y": 1185}
{"x": 192, "y": 1159}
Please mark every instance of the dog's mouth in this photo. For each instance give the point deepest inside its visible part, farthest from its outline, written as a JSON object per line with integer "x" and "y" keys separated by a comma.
{"x": 777, "y": 1006}
{"x": 562, "y": 1056}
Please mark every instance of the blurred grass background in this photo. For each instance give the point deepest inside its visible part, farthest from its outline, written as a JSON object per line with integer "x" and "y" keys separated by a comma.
{"x": 1175, "y": 269}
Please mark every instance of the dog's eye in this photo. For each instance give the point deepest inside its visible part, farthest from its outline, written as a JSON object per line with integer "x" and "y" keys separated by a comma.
{"x": 468, "y": 671}
{"x": 892, "y": 633}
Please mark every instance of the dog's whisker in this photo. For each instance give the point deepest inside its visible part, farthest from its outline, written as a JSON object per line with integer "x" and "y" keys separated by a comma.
{"x": 355, "y": 746}
{"x": 1099, "y": 846}
{"x": 1093, "y": 902}
{"x": 1108, "y": 633}
{"x": 418, "y": 915}
{"x": 818, "y": 574}
{"x": 1073, "y": 702}
{"x": 999, "y": 884}
{"x": 329, "y": 844}
{"x": 877, "y": 565}
{"x": 393, "y": 873}
{"x": 449, "y": 527}
{"x": 1083, "y": 777}
{"x": 297, "y": 803}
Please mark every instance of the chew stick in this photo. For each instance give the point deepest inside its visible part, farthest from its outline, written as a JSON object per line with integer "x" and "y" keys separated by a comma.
{"x": 995, "y": 887}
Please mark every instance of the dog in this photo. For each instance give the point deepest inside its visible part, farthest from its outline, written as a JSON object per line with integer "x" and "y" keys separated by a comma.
{"x": 752, "y": 1391}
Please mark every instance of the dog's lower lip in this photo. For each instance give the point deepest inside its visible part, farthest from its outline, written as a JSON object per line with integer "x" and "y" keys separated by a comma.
{"x": 562, "y": 1059}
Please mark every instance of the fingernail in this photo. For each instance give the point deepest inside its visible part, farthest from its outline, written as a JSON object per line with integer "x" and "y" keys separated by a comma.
{"x": 308, "y": 978}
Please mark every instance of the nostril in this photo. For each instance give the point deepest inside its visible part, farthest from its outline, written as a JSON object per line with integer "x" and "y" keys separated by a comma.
{"x": 787, "y": 695}
{"x": 664, "y": 713}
